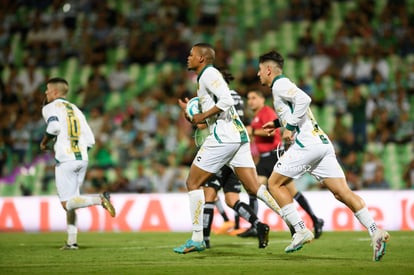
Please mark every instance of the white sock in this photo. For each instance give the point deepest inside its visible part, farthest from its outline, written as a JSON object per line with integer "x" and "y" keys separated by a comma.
{"x": 72, "y": 234}
{"x": 365, "y": 218}
{"x": 291, "y": 216}
{"x": 82, "y": 201}
{"x": 196, "y": 209}
{"x": 267, "y": 198}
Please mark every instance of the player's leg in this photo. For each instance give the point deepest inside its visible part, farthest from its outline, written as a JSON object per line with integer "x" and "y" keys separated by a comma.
{"x": 245, "y": 170}
{"x": 292, "y": 164}
{"x": 69, "y": 178}
{"x": 210, "y": 194}
{"x": 343, "y": 193}
{"x": 334, "y": 179}
{"x": 211, "y": 157}
{"x": 196, "y": 178}
{"x": 67, "y": 188}
{"x": 254, "y": 205}
{"x": 303, "y": 202}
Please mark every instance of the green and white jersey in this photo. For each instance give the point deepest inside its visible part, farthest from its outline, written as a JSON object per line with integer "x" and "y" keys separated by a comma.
{"x": 292, "y": 107}
{"x": 227, "y": 126}
{"x": 68, "y": 124}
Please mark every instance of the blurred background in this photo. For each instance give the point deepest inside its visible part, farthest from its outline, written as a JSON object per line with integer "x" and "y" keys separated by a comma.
{"x": 125, "y": 62}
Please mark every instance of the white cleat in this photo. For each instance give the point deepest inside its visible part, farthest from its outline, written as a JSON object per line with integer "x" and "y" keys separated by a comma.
{"x": 379, "y": 240}
{"x": 299, "y": 239}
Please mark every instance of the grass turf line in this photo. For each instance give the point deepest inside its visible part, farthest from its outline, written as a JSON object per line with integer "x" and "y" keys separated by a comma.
{"x": 151, "y": 253}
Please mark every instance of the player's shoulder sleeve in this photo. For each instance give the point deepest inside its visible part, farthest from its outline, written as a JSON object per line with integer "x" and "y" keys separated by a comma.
{"x": 50, "y": 115}
{"x": 214, "y": 82}
{"x": 49, "y": 112}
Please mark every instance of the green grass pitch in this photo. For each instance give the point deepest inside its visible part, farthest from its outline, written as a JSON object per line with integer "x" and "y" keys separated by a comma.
{"x": 151, "y": 253}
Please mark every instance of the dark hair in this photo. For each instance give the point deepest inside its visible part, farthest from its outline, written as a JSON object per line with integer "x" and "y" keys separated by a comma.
{"x": 228, "y": 77}
{"x": 56, "y": 80}
{"x": 203, "y": 45}
{"x": 257, "y": 92}
{"x": 272, "y": 56}
{"x": 207, "y": 51}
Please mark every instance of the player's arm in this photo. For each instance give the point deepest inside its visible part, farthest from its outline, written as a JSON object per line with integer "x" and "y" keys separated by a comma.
{"x": 52, "y": 128}
{"x": 270, "y": 127}
{"x": 47, "y": 138}
{"x": 300, "y": 103}
{"x": 215, "y": 83}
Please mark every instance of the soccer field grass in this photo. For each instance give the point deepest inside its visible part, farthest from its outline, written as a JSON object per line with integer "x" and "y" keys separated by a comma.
{"x": 151, "y": 253}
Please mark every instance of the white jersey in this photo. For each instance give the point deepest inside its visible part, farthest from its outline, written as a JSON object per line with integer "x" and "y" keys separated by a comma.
{"x": 73, "y": 134}
{"x": 226, "y": 127}
{"x": 292, "y": 107}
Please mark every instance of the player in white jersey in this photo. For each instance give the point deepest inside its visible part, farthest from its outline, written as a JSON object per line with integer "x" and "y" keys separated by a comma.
{"x": 226, "y": 144}
{"x": 72, "y": 137}
{"x": 310, "y": 150}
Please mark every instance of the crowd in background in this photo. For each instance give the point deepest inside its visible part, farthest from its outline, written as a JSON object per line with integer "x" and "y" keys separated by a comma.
{"x": 146, "y": 142}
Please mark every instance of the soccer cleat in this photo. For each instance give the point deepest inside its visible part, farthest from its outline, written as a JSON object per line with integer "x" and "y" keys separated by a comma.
{"x": 379, "y": 240}
{"x": 318, "y": 227}
{"x": 190, "y": 246}
{"x": 207, "y": 242}
{"x": 225, "y": 228}
{"x": 299, "y": 239}
{"x": 70, "y": 247}
{"x": 106, "y": 203}
{"x": 292, "y": 230}
{"x": 263, "y": 234}
{"x": 236, "y": 232}
{"x": 251, "y": 232}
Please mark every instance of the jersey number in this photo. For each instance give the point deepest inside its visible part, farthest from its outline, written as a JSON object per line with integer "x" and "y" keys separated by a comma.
{"x": 324, "y": 139}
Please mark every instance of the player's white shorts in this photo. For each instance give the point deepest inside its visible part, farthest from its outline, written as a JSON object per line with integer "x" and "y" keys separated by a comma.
{"x": 213, "y": 155}
{"x": 317, "y": 159}
{"x": 69, "y": 178}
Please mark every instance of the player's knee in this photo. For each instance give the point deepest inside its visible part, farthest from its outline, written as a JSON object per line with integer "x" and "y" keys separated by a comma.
{"x": 64, "y": 205}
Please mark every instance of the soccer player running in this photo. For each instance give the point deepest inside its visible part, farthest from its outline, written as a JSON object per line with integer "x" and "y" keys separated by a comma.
{"x": 226, "y": 144}
{"x": 269, "y": 148}
{"x": 310, "y": 150}
{"x": 231, "y": 185}
{"x": 68, "y": 129}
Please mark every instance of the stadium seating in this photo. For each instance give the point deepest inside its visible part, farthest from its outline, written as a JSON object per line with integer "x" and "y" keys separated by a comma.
{"x": 249, "y": 14}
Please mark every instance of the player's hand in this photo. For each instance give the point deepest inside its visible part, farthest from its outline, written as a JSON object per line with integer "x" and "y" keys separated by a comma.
{"x": 183, "y": 103}
{"x": 287, "y": 138}
{"x": 198, "y": 119}
{"x": 43, "y": 146}
{"x": 269, "y": 127}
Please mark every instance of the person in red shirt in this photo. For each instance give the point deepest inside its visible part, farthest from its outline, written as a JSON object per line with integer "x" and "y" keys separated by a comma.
{"x": 269, "y": 148}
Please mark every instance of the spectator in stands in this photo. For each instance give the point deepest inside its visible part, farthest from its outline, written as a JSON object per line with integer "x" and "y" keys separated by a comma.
{"x": 357, "y": 107}
{"x": 379, "y": 181}
{"x": 96, "y": 181}
{"x": 356, "y": 71}
{"x": 370, "y": 164}
{"x": 55, "y": 35}
{"x": 120, "y": 183}
{"x": 339, "y": 130}
{"x": 352, "y": 170}
{"x": 384, "y": 127}
{"x": 141, "y": 182}
{"x": 30, "y": 79}
{"x": 3, "y": 155}
{"x": 306, "y": 45}
{"x": 320, "y": 62}
{"x": 20, "y": 139}
{"x": 101, "y": 154}
{"x": 318, "y": 94}
{"x": 408, "y": 175}
{"x": 122, "y": 138}
{"x": 337, "y": 98}
{"x": 119, "y": 79}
